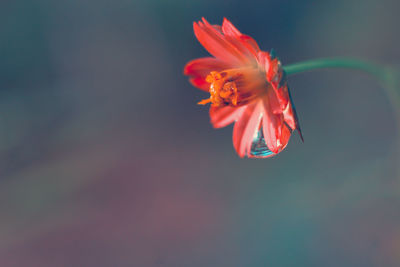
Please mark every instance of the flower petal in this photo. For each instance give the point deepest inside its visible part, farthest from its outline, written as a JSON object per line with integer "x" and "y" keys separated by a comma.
{"x": 216, "y": 44}
{"x": 229, "y": 29}
{"x": 276, "y": 132}
{"x": 289, "y": 117}
{"x": 244, "y": 43}
{"x": 277, "y": 79}
{"x": 251, "y": 44}
{"x": 275, "y": 76}
{"x": 246, "y": 128}
{"x": 273, "y": 101}
{"x": 200, "y": 83}
{"x": 223, "y": 116}
{"x": 199, "y": 68}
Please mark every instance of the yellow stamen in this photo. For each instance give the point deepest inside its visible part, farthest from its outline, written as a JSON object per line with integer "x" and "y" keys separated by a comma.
{"x": 204, "y": 101}
{"x": 223, "y": 89}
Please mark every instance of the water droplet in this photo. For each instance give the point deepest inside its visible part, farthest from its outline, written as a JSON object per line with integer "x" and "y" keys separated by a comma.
{"x": 259, "y": 148}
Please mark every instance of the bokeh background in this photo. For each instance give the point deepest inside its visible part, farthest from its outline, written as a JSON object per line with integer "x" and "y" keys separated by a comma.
{"x": 106, "y": 160}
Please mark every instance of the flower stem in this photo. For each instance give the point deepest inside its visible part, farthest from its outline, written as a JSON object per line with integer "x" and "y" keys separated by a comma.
{"x": 324, "y": 63}
{"x": 388, "y": 77}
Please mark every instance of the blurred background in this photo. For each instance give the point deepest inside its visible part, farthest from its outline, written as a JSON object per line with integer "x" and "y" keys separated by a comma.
{"x": 106, "y": 160}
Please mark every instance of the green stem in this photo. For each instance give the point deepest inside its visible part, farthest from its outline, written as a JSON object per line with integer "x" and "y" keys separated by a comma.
{"x": 389, "y": 77}
{"x": 323, "y": 63}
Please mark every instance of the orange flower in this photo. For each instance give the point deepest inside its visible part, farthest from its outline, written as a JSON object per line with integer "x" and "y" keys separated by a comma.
{"x": 247, "y": 86}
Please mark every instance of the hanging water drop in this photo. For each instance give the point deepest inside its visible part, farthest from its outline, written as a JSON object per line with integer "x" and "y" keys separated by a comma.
{"x": 259, "y": 148}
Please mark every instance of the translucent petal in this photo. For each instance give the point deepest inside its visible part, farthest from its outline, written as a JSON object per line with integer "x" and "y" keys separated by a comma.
{"x": 246, "y": 127}
{"x": 216, "y": 44}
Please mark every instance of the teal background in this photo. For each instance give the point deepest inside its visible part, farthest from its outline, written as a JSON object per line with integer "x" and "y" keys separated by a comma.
{"x": 106, "y": 160}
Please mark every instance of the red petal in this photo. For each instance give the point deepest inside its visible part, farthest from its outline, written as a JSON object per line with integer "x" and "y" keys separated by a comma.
{"x": 270, "y": 66}
{"x": 274, "y": 75}
{"x": 223, "y": 116}
{"x": 285, "y": 136}
{"x": 246, "y": 127}
{"x": 199, "y": 68}
{"x": 264, "y": 59}
{"x": 273, "y": 101}
{"x": 200, "y": 83}
{"x": 251, "y": 44}
{"x": 229, "y": 29}
{"x": 245, "y": 44}
{"x": 276, "y": 133}
{"x": 289, "y": 116}
{"x": 216, "y": 44}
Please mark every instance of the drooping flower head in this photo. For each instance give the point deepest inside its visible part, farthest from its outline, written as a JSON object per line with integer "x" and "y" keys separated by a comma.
{"x": 247, "y": 86}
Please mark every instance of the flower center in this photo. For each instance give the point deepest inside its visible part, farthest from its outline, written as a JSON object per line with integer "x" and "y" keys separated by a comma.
{"x": 223, "y": 89}
{"x": 234, "y": 87}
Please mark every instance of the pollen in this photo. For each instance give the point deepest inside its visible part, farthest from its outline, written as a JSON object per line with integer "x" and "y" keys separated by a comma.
{"x": 223, "y": 89}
